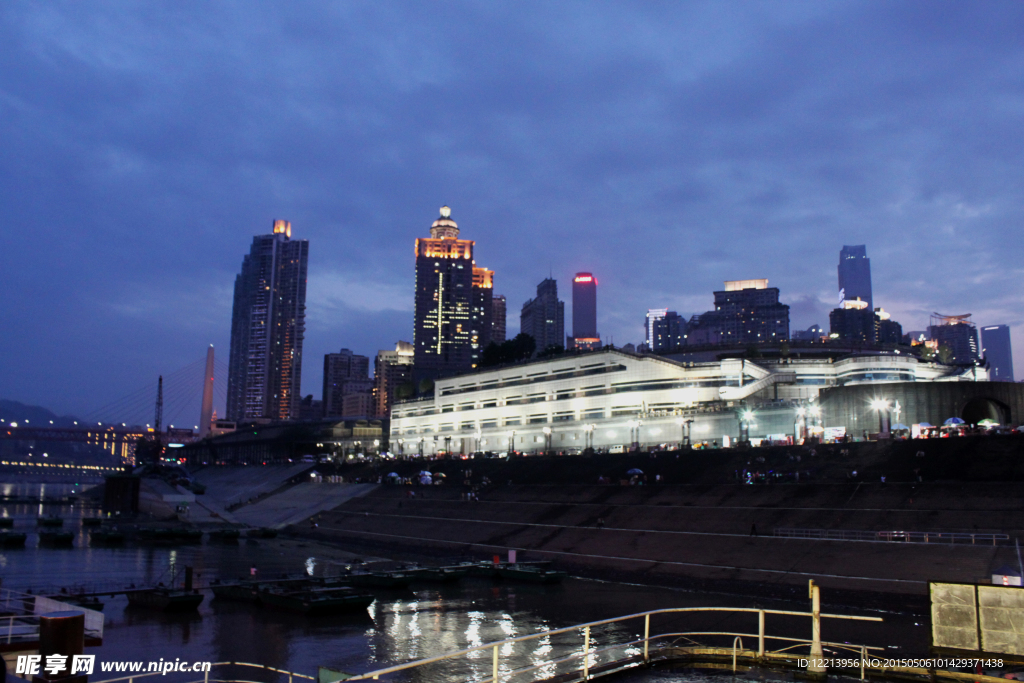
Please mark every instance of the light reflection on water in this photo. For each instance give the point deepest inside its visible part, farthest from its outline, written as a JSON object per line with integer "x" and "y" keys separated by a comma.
{"x": 400, "y": 626}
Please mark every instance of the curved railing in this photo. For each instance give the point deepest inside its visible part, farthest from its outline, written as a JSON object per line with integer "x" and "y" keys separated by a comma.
{"x": 588, "y": 655}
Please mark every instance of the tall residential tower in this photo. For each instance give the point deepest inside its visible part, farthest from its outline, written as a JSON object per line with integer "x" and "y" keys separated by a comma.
{"x": 453, "y": 302}
{"x": 268, "y": 324}
{"x": 543, "y": 318}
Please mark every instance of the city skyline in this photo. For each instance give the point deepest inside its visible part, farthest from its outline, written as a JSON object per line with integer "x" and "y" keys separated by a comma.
{"x": 756, "y": 152}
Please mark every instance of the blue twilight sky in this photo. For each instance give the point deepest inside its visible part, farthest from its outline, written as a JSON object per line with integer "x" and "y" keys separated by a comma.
{"x": 664, "y": 146}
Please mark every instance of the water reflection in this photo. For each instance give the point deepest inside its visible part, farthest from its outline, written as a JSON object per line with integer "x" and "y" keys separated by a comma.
{"x": 399, "y": 626}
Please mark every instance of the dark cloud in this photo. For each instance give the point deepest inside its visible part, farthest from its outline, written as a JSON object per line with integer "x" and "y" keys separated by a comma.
{"x": 664, "y": 147}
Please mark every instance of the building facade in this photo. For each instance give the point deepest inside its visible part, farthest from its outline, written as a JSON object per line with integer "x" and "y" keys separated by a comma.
{"x": 664, "y": 330}
{"x": 584, "y": 313}
{"x": 855, "y": 275}
{"x": 609, "y": 399}
{"x": 995, "y": 347}
{"x": 543, "y": 317}
{"x": 852, "y": 322}
{"x": 746, "y": 312}
{"x": 887, "y": 330}
{"x": 268, "y": 323}
{"x": 958, "y": 334}
{"x": 498, "y": 319}
{"x": 812, "y": 333}
{"x": 453, "y": 302}
{"x": 345, "y": 373}
{"x": 391, "y": 369}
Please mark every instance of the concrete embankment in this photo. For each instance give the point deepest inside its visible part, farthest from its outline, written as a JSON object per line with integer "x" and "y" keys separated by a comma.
{"x": 698, "y": 528}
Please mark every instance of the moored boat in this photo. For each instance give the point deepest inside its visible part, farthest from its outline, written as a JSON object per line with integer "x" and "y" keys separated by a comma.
{"x": 6, "y": 522}
{"x": 171, "y": 535}
{"x": 225, "y": 534}
{"x": 242, "y": 591}
{"x": 166, "y": 599}
{"x": 91, "y": 521}
{"x": 50, "y": 521}
{"x": 532, "y": 574}
{"x": 57, "y": 539}
{"x": 12, "y": 540}
{"x": 435, "y": 574}
{"x": 317, "y": 601}
{"x": 376, "y": 579}
{"x": 106, "y": 537}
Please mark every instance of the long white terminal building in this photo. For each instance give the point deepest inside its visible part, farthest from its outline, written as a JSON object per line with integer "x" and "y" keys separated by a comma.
{"x": 610, "y": 399}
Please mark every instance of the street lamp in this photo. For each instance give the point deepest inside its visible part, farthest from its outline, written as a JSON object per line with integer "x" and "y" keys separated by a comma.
{"x": 511, "y": 441}
{"x": 547, "y": 440}
{"x": 448, "y": 445}
{"x": 746, "y": 418}
{"x": 588, "y": 436}
{"x": 881, "y": 406}
{"x": 801, "y": 412}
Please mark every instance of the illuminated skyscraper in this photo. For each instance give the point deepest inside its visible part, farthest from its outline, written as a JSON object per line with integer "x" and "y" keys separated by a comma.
{"x": 453, "y": 302}
{"x": 855, "y": 275}
{"x": 584, "y": 312}
{"x": 268, "y": 324}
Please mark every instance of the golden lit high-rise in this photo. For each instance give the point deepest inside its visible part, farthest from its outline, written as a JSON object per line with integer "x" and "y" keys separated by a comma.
{"x": 453, "y": 302}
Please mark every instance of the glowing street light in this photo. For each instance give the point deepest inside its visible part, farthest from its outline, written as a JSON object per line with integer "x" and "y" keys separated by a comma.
{"x": 746, "y": 418}
{"x": 881, "y": 406}
{"x": 588, "y": 436}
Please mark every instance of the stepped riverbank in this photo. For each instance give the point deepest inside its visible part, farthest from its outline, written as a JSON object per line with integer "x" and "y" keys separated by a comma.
{"x": 702, "y": 527}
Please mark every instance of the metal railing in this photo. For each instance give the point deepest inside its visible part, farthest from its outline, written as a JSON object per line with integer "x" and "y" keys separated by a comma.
{"x": 588, "y": 655}
{"x": 20, "y": 624}
{"x": 930, "y": 537}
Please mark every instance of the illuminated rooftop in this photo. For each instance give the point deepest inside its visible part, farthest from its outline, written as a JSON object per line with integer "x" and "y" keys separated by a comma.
{"x": 737, "y": 285}
{"x": 444, "y": 226}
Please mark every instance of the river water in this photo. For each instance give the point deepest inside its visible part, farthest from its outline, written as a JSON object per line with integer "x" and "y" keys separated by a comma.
{"x": 400, "y": 626}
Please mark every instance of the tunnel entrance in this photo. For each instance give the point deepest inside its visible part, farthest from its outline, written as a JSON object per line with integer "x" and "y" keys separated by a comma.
{"x": 978, "y": 409}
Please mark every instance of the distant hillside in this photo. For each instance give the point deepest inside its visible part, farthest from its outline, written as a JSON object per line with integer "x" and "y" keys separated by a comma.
{"x": 13, "y": 411}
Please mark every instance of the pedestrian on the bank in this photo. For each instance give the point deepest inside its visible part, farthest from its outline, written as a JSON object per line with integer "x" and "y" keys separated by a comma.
{"x": 753, "y": 529}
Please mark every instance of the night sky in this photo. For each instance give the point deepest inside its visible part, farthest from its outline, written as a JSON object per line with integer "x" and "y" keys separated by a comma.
{"x": 665, "y": 147}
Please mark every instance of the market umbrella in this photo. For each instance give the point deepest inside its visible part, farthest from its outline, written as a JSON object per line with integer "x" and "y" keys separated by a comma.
{"x": 634, "y": 471}
{"x": 925, "y": 425}
{"x": 425, "y": 473}
{"x": 393, "y": 474}
{"x": 900, "y": 425}
{"x": 988, "y": 422}
{"x": 954, "y": 421}
{"x": 440, "y": 474}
